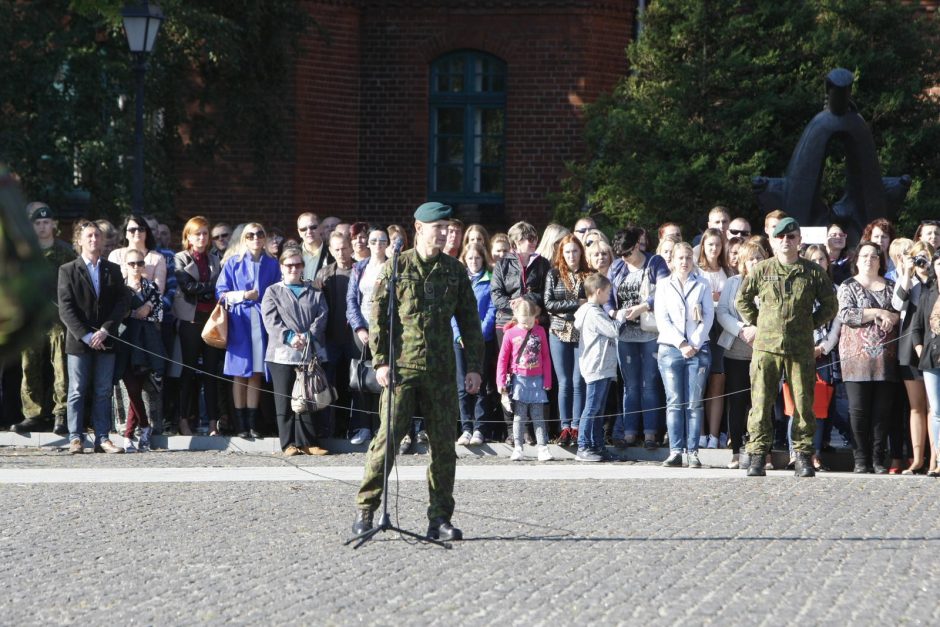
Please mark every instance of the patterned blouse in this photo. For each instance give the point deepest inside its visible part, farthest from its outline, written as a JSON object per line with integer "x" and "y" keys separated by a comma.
{"x": 867, "y": 352}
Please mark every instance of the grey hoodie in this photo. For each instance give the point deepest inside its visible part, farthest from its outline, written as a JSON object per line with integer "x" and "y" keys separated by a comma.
{"x": 598, "y": 342}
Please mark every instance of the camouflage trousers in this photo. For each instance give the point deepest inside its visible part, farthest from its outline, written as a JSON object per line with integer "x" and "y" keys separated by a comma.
{"x": 766, "y": 372}
{"x": 437, "y": 395}
{"x": 42, "y": 397}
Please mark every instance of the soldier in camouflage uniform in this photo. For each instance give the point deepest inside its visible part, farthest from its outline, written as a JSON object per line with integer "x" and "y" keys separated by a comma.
{"x": 795, "y": 296}
{"x": 431, "y": 289}
{"x": 43, "y": 398}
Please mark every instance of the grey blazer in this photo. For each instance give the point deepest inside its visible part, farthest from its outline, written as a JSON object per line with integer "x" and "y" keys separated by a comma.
{"x": 281, "y": 312}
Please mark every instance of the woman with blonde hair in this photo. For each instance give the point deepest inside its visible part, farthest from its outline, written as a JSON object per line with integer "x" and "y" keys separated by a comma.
{"x": 599, "y": 256}
{"x": 244, "y": 279}
{"x": 550, "y": 238}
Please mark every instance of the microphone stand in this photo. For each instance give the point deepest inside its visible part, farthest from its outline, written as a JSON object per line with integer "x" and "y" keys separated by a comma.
{"x": 385, "y": 521}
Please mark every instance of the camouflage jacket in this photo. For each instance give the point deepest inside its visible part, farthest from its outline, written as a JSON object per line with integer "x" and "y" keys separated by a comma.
{"x": 429, "y": 293}
{"x": 793, "y": 300}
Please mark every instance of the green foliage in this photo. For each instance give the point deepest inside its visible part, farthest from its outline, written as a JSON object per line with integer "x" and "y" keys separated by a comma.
{"x": 220, "y": 76}
{"x": 721, "y": 91}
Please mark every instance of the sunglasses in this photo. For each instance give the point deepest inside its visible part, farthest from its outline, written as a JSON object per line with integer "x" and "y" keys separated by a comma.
{"x": 309, "y": 227}
{"x": 582, "y": 231}
{"x": 221, "y": 236}
{"x": 254, "y": 234}
{"x": 588, "y": 243}
{"x": 787, "y": 236}
{"x": 739, "y": 233}
{"x": 135, "y": 264}
{"x": 836, "y": 235}
{"x": 293, "y": 266}
{"x": 378, "y": 241}
{"x": 136, "y": 229}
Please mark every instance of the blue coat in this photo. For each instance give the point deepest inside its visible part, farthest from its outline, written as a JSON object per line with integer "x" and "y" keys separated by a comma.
{"x": 354, "y": 314}
{"x": 485, "y": 307}
{"x": 237, "y": 274}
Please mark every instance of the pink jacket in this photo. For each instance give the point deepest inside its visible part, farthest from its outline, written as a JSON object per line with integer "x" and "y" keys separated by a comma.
{"x": 535, "y": 360}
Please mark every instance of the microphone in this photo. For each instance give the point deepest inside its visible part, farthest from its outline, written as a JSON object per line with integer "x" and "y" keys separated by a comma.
{"x": 396, "y": 247}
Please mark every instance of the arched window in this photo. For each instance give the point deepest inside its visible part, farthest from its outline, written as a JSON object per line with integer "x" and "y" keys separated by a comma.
{"x": 468, "y": 113}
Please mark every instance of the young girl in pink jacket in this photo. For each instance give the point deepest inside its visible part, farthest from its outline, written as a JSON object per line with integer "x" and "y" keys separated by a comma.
{"x": 524, "y": 370}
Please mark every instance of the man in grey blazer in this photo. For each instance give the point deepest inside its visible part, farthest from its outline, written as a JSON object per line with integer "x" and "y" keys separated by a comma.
{"x": 92, "y": 302}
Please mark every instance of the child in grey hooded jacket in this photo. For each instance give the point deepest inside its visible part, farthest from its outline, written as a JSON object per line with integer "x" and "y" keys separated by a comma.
{"x": 597, "y": 347}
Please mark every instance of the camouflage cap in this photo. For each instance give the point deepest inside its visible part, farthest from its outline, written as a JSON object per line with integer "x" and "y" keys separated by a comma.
{"x": 432, "y": 212}
{"x": 787, "y": 225}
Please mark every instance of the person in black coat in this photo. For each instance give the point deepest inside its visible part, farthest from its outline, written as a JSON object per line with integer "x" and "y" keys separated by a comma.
{"x": 92, "y": 302}
{"x": 925, "y": 336}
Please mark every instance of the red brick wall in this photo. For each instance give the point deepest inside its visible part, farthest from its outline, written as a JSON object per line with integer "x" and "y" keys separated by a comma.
{"x": 361, "y": 126}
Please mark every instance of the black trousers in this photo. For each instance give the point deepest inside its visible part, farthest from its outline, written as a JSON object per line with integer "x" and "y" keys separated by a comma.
{"x": 291, "y": 428}
{"x": 737, "y": 387}
{"x": 870, "y": 405}
{"x": 193, "y": 347}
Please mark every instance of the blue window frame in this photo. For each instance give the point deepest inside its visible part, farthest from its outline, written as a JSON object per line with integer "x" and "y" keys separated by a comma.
{"x": 467, "y": 139}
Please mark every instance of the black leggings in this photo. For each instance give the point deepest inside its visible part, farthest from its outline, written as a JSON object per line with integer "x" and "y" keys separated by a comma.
{"x": 291, "y": 428}
{"x": 870, "y": 404}
{"x": 737, "y": 378}
{"x": 193, "y": 347}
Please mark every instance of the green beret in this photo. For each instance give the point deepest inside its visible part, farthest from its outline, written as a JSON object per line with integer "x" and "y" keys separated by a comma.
{"x": 432, "y": 212}
{"x": 40, "y": 211}
{"x": 787, "y": 225}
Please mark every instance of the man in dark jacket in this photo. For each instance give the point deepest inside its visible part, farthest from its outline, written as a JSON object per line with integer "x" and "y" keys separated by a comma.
{"x": 92, "y": 302}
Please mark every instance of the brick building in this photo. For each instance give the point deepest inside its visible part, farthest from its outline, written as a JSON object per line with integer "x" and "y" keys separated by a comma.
{"x": 472, "y": 102}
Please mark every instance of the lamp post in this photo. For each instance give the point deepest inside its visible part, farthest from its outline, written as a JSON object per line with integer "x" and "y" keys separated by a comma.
{"x": 141, "y": 25}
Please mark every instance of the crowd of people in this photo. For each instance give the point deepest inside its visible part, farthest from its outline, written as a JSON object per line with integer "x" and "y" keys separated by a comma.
{"x": 645, "y": 338}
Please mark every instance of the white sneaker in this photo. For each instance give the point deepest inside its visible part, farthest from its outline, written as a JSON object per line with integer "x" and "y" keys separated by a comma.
{"x": 517, "y": 455}
{"x": 703, "y": 441}
{"x": 722, "y": 440}
{"x": 464, "y": 439}
{"x": 545, "y": 455}
{"x": 711, "y": 442}
{"x": 477, "y": 439}
{"x": 361, "y": 436}
{"x": 129, "y": 446}
{"x": 735, "y": 462}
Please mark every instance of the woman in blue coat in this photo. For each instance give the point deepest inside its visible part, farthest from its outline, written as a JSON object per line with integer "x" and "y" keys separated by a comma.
{"x": 242, "y": 284}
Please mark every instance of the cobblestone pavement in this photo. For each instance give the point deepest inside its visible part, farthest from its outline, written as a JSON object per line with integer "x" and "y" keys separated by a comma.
{"x": 692, "y": 551}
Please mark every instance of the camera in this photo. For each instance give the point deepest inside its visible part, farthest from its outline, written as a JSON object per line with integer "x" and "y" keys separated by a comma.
{"x": 921, "y": 262}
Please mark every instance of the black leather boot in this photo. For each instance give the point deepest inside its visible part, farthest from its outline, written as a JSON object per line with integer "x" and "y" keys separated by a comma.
{"x": 440, "y": 529}
{"x": 804, "y": 465}
{"x": 363, "y": 521}
{"x": 253, "y": 422}
{"x": 756, "y": 466}
{"x": 241, "y": 420}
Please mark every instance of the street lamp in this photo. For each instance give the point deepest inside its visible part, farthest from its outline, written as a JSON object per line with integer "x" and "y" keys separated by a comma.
{"x": 141, "y": 25}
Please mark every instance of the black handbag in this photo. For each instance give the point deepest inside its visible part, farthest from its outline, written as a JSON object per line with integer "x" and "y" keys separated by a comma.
{"x": 362, "y": 374}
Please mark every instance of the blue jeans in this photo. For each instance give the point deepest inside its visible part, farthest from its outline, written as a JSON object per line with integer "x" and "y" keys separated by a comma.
{"x": 638, "y": 367}
{"x": 472, "y": 406}
{"x": 685, "y": 387}
{"x": 571, "y": 387}
{"x": 95, "y": 369}
{"x": 932, "y": 383}
{"x": 590, "y": 427}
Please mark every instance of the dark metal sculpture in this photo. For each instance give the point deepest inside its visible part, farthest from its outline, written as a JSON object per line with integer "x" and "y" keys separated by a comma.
{"x": 867, "y": 195}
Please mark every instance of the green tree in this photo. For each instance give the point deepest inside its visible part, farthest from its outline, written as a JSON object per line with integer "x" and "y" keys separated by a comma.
{"x": 219, "y": 77}
{"x": 720, "y": 92}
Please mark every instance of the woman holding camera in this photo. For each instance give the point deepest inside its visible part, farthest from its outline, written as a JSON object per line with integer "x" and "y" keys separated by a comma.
{"x": 913, "y": 277}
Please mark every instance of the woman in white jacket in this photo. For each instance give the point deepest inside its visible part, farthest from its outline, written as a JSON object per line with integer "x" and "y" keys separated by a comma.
{"x": 684, "y": 314}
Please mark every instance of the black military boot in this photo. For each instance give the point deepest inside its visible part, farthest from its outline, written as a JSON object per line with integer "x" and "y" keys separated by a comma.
{"x": 756, "y": 466}
{"x": 804, "y": 465}
{"x": 253, "y": 423}
{"x": 61, "y": 426}
{"x": 440, "y": 529}
{"x": 241, "y": 422}
{"x": 33, "y": 423}
{"x": 363, "y": 521}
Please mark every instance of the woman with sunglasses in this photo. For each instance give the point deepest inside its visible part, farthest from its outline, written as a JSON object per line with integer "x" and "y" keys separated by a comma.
{"x": 245, "y": 278}
{"x": 140, "y": 354}
{"x": 925, "y": 336}
{"x": 294, "y": 314}
{"x": 197, "y": 271}
{"x": 359, "y": 315}
{"x": 139, "y": 237}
